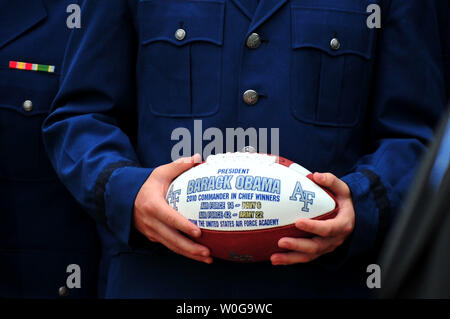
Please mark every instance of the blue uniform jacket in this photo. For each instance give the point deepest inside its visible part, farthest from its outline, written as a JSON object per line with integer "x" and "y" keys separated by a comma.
{"x": 43, "y": 229}
{"x": 362, "y": 106}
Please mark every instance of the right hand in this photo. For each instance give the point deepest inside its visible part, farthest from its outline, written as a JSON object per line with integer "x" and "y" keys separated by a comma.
{"x": 159, "y": 222}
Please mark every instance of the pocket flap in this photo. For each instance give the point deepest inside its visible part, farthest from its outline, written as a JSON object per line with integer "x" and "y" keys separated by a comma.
{"x": 201, "y": 20}
{"x": 316, "y": 27}
{"x": 17, "y": 86}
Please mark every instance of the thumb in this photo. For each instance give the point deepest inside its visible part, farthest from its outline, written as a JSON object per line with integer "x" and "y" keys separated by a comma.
{"x": 174, "y": 169}
{"x": 332, "y": 183}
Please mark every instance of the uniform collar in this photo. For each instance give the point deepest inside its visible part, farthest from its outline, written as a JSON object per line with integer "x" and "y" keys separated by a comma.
{"x": 245, "y": 7}
{"x": 264, "y": 10}
{"x": 18, "y": 16}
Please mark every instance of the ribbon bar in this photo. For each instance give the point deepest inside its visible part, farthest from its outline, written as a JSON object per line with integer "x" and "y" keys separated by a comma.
{"x": 31, "y": 67}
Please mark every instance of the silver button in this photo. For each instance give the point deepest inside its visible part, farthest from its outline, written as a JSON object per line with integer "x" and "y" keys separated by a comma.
{"x": 253, "y": 41}
{"x": 335, "y": 44}
{"x": 63, "y": 291}
{"x": 248, "y": 149}
{"x": 180, "y": 34}
{"x": 251, "y": 97}
{"x": 27, "y": 106}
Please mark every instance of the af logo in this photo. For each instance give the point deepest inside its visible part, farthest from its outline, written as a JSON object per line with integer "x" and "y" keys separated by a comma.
{"x": 306, "y": 197}
{"x": 173, "y": 197}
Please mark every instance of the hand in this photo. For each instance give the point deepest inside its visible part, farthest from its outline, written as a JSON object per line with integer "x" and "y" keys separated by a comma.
{"x": 330, "y": 233}
{"x": 159, "y": 222}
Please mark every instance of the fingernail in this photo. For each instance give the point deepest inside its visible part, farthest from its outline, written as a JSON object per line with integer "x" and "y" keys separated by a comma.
{"x": 205, "y": 253}
{"x": 283, "y": 244}
{"x": 196, "y": 233}
{"x": 300, "y": 224}
{"x": 197, "y": 158}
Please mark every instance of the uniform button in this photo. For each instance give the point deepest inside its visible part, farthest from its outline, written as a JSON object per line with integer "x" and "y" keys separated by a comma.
{"x": 251, "y": 97}
{"x": 180, "y": 34}
{"x": 27, "y": 106}
{"x": 63, "y": 291}
{"x": 248, "y": 149}
{"x": 253, "y": 41}
{"x": 335, "y": 44}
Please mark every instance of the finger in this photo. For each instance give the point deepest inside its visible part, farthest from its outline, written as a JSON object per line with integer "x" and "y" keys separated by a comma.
{"x": 177, "y": 242}
{"x": 172, "y": 218}
{"x": 153, "y": 236}
{"x": 174, "y": 169}
{"x": 291, "y": 258}
{"x": 180, "y": 251}
{"x": 207, "y": 260}
{"x": 332, "y": 183}
{"x": 322, "y": 228}
{"x": 313, "y": 246}
{"x": 177, "y": 250}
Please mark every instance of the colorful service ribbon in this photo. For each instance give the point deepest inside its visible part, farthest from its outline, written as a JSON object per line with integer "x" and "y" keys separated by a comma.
{"x": 31, "y": 67}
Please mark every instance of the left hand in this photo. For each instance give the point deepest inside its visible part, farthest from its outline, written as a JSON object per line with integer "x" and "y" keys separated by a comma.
{"x": 330, "y": 233}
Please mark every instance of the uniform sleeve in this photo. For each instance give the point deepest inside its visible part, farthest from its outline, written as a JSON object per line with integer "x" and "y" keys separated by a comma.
{"x": 408, "y": 99}
{"x": 90, "y": 152}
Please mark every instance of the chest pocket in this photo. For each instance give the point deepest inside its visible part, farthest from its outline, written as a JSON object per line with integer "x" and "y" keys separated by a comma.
{"x": 330, "y": 65}
{"x": 29, "y": 93}
{"x": 181, "y": 56}
{"x": 25, "y": 100}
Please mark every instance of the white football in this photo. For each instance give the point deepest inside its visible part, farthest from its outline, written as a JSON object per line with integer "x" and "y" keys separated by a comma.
{"x": 245, "y": 202}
